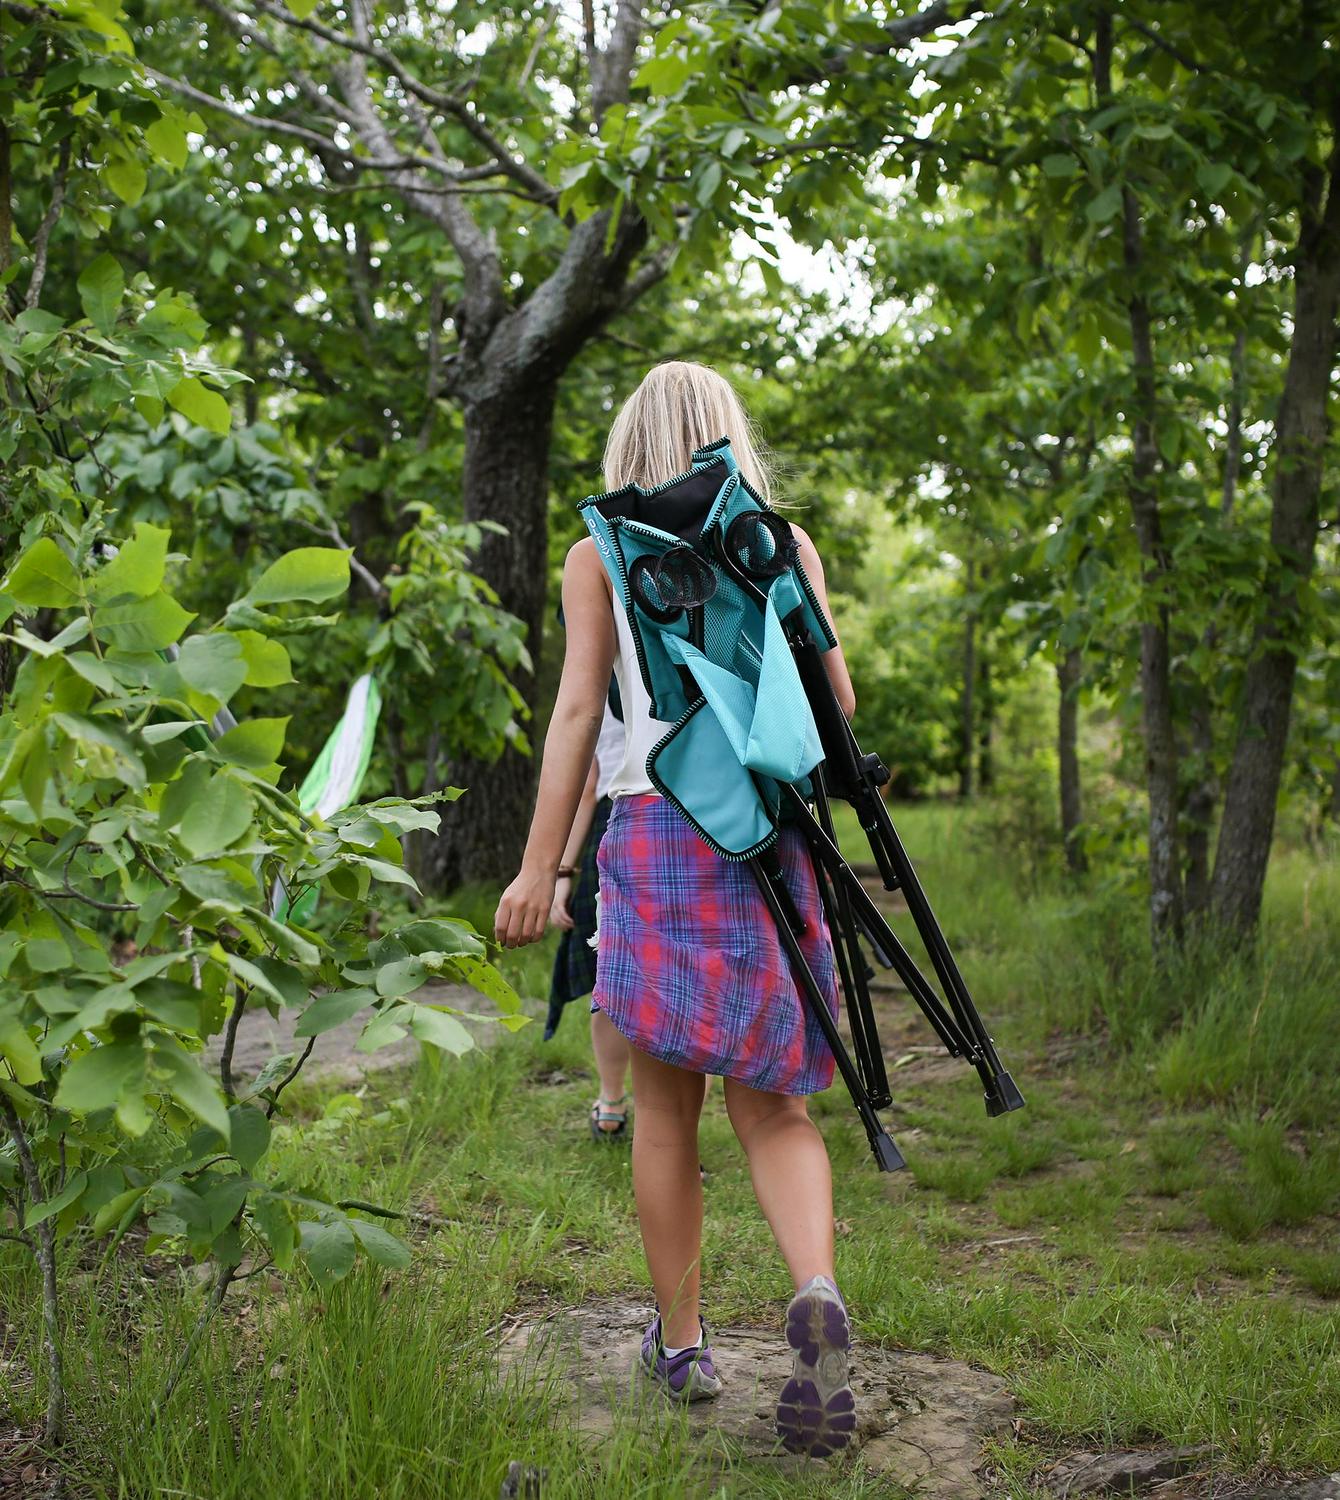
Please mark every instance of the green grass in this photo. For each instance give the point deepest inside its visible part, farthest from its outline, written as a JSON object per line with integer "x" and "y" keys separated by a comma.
{"x": 1147, "y": 1253}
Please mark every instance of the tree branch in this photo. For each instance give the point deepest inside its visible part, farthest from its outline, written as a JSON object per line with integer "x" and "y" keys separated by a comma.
{"x": 248, "y": 34}
{"x": 612, "y": 69}
{"x": 1176, "y": 53}
{"x": 363, "y": 47}
{"x": 900, "y": 33}
{"x": 322, "y": 144}
{"x": 478, "y": 251}
{"x": 288, "y": 1078}
{"x": 655, "y": 268}
{"x": 45, "y": 1254}
{"x": 43, "y": 235}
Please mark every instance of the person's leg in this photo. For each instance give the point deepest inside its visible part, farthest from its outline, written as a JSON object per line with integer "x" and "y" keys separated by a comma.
{"x": 612, "y": 1051}
{"x": 668, "y": 1189}
{"x": 793, "y": 1182}
{"x": 816, "y": 1411}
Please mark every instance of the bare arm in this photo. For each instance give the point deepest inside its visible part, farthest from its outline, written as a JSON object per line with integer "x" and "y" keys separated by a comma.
{"x": 559, "y": 914}
{"x": 835, "y": 664}
{"x": 569, "y": 747}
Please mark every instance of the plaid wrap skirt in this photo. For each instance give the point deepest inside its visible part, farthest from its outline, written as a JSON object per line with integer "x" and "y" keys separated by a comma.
{"x": 689, "y": 965}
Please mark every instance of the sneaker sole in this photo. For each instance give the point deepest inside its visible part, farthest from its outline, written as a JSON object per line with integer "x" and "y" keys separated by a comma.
{"x": 816, "y": 1412}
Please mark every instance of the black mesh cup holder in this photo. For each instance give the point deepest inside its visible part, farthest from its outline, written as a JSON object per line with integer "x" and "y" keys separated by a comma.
{"x": 665, "y": 586}
{"x": 760, "y": 544}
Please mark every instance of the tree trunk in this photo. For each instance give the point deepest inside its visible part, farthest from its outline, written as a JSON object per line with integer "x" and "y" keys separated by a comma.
{"x": 1204, "y": 794}
{"x": 1301, "y": 430}
{"x": 44, "y": 1252}
{"x": 1069, "y": 672}
{"x": 1165, "y": 873}
{"x": 967, "y": 706}
{"x": 505, "y": 479}
{"x": 986, "y": 716}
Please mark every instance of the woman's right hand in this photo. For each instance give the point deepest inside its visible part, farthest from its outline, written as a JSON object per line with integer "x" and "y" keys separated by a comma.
{"x": 559, "y": 914}
{"x": 524, "y": 909}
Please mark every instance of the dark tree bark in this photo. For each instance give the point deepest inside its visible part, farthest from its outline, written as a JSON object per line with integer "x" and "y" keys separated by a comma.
{"x": 967, "y": 701}
{"x": 505, "y": 480}
{"x": 1301, "y": 430}
{"x": 986, "y": 733}
{"x": 1203, "y": 796}
{"x": 1161, "y": 759}
{"x": 1069, "y": 673}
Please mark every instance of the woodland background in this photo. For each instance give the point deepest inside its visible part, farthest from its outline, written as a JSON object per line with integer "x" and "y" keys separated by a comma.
{"x": 1036, "y": 308}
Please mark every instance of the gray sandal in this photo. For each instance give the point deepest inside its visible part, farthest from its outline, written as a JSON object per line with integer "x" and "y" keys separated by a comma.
{"x": 606, "y": 1111}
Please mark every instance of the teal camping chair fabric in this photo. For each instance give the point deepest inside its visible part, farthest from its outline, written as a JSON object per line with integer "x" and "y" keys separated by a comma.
{"x": 723, "y": 671}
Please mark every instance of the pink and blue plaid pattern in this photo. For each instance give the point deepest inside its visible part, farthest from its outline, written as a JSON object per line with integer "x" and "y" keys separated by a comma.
{"x": 690, "y": 967}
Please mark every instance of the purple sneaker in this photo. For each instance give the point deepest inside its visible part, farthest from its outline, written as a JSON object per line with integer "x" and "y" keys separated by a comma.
{"x": 816, "y": 1412}
{"x": 686, "y": 1376}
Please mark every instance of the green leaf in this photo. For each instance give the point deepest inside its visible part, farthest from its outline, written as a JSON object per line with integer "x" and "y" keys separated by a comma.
{"x": 380, "y": 1246}
{"x": 108, "y": 753}
{"x": 123, "y": 174}
{"x": 170, "y": 729}
{"x": 664, "y": 75}
{"x": 286, "y": 937}
{"x": 101, "y": 287}
{"x": 190, "y": 1085}
{"x": 250, "y": 1134}
{"x": 142, "y": 624}
{"x": 19, "y": 1051}
{"x": 167, "y": 140}
{"x": 268, "y": 663}
{"x": 1060, "y": 164}
{"x": 198, "y": 404}
{"x": 43, "y": 577}
{"x": 440, "y": 1030}
{"x": 46, "y": 950}
{"x": 1105, "y": 205}
{"x": 1214, "y": 177}
{"x": 218, "y": 817}
{"x": 291, "y": 984}
{"x": 389, "y": 873}
{"x": 436, "y": 935}
{"x": 209, "y": 883}
{"x": 313, "y": 573}
{"x": 401, "y": 977}
{"x": 328, "y": 1011}
{"x": 330, "y": 1250}
{"x": 489, "y": 982}
{"x": 273, "y": 1220}
{"x": 97, "y": 1079}
{"x": 213, "y": 664}
{"x": 70, "y": 1193}
{"x": 136, "y": 569}
{"x": 255, "y": 743}
{"x": 181, "y": 793}
{"x": 115, "y": 1210}
{"x": 92, "y": 670}
{"x": 709, "y": 180}
{"x": 302, "y": 8}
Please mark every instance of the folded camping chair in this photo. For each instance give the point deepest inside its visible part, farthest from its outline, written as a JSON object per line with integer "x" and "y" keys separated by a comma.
{"x": 729, "y": 636}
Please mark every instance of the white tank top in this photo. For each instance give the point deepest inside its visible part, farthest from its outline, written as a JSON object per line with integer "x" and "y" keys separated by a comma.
{"x": 641, "y": 731}
{"x": 609, "y": 751}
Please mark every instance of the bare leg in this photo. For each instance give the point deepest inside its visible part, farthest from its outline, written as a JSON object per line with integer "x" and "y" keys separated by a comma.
{"x": 668, "y": 1189}
{"x": 788, "y": 1163}
{"x": 612, "y": 1050}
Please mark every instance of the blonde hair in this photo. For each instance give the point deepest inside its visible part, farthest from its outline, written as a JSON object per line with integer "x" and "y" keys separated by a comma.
{"x": 680, "y": 406}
